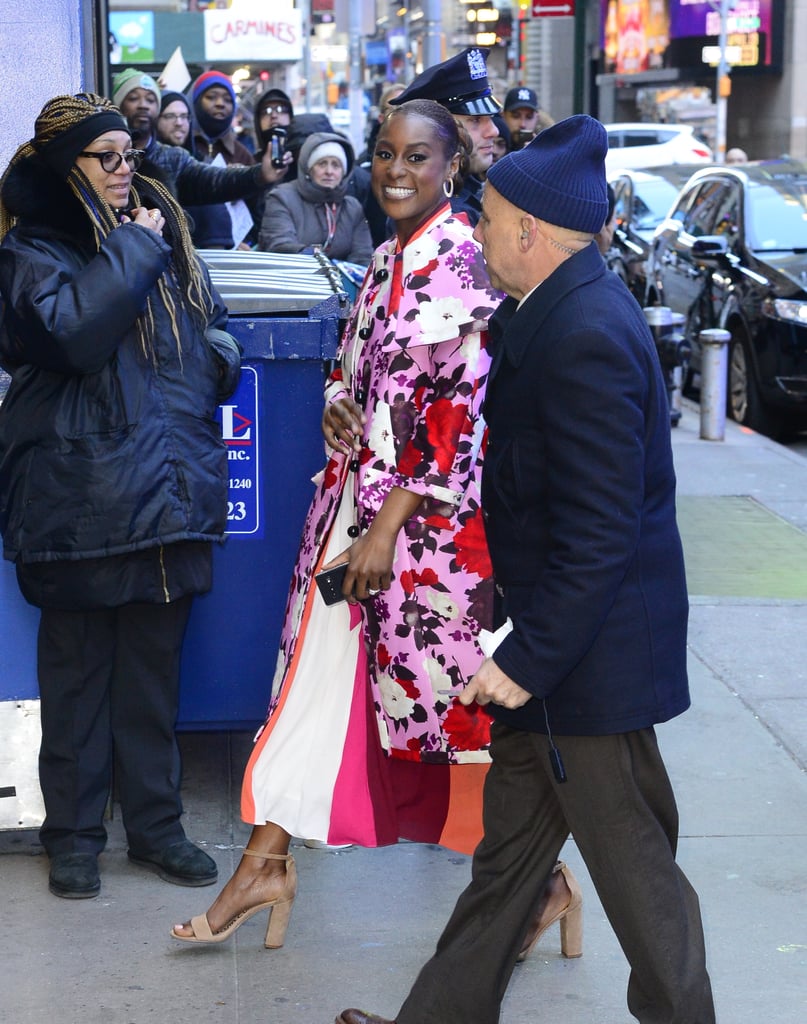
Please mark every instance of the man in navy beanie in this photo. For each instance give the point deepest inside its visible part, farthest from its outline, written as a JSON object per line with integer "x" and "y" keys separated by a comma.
{"x": 578, "y": 494}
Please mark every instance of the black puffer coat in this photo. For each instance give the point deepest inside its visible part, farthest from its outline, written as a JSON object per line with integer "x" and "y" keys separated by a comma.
{"x": 104, "y": 450}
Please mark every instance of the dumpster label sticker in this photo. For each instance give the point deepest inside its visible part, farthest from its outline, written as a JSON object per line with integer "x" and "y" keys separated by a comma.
{"x": 239, "y": 429}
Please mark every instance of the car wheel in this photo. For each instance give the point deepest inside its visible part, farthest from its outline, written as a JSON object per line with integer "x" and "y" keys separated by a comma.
{"x": 743, "y": 399}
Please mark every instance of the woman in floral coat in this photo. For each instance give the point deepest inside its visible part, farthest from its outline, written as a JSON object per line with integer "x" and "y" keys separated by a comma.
{"x": 365, "y": 740}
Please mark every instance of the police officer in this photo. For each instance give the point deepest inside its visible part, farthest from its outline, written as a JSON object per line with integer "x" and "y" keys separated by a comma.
{"x": 460, "y": 84}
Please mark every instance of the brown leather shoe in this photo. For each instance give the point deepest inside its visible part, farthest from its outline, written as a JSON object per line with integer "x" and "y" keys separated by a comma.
{"x": 360, "y": 1017}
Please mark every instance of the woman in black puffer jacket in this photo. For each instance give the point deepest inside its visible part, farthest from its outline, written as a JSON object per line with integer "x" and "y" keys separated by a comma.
{"x": 113, "y": 474}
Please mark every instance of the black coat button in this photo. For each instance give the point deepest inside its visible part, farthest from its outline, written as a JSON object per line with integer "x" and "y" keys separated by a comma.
{"x": 352, "y": 531}
{"x": 365, "y": 333}
{"x": 380, "y": 275}
{"x": 355, "y": 465}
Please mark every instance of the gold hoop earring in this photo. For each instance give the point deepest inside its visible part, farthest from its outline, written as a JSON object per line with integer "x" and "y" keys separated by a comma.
{"x": 448, "y": 188}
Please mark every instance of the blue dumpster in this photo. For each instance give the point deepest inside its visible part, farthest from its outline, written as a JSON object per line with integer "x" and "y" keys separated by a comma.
{"x": 286, "y": 311}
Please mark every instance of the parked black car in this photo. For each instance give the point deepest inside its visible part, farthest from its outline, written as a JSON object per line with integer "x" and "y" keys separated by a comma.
{"x": 733, "y": 254}
{"x": 643, "y": 200}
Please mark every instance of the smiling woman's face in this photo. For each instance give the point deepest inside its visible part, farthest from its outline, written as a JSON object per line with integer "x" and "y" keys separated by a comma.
{"x": 113, "y": 186}
{"x": 409, "y": 170}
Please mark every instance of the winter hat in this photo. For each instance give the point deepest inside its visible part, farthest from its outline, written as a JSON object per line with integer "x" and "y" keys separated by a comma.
{"x": 68, "y": 124}
{"x": 207, "y": 80}
{"x": 328, "y": 149}
{"x": 125, "y": 81}
{"x": 171, "y": 97}
{"x": 560, "y": 176}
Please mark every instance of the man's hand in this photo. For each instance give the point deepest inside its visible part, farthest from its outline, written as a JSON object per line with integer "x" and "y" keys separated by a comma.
{"x": 491, "y": 686}
{"x": 272, "y": 175}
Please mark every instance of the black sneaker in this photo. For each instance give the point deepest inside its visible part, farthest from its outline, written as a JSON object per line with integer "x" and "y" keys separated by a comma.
{"x": 181, "y": 863}
{"x": 74, "y": 876}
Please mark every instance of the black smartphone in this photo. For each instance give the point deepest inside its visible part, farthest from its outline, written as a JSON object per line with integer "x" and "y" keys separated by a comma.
{"x": 330, "y": 583}
{"x": 277, "y": 141}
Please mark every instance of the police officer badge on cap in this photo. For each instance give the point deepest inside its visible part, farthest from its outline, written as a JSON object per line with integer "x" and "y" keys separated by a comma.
{"x": 460, "y": 84}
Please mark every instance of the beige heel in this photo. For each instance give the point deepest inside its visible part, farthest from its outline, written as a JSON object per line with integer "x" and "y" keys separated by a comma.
{"x": 571, "y": 920}
{"x": 279, "y": 912}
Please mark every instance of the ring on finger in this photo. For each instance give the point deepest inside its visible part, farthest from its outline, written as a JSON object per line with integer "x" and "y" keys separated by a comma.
{"x": 372, "y": 592}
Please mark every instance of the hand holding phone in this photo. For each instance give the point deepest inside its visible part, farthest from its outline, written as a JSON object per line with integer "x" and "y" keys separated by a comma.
{"x": 330, "y": 583}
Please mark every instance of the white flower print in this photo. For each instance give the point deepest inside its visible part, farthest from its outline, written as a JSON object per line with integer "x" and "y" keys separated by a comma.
{"x": 393, "y": 696}
{"x": 442, "y": 604}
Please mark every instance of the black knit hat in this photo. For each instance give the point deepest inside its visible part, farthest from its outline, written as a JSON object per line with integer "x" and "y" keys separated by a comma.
{"x": 460, "y": 84}
{"x": 560, "y": 176}
{"x": 60, "y": 152}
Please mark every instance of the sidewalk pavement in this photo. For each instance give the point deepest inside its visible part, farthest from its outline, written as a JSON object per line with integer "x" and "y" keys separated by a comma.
{"x": 367, "y": 919}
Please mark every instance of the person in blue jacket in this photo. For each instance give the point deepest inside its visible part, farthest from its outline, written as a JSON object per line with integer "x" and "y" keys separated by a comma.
{"x": 578, "y": 495}
{"x": 113, "y": 475}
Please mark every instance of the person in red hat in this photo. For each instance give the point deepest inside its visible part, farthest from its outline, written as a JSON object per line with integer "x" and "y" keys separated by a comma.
{"x": 214, "y": 105}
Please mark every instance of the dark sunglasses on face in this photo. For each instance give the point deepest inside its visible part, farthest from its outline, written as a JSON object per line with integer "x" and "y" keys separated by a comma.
{"x": 111, "y": 161}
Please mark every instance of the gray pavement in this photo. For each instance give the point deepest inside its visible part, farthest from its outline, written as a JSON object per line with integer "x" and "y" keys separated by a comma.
{"x": 366, "y": 919}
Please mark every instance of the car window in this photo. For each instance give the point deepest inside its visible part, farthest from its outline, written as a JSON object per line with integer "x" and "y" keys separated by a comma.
{"x": 639, "y": 138}
{"x": 777, "y": 214}
{"x": 622, "y": 194}
{"x": 651, "y": 203}
{"x": 702, "y": 213}
{"x": 727, "y": 213}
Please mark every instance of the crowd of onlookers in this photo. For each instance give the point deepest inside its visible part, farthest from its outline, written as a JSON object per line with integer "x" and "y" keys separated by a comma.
{"x": 313, "y": 192}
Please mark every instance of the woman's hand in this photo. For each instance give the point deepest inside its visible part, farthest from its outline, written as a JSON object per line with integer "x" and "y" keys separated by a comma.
{"x": 151, "y": 219}
{"x": 370, "y": 557}
{"x": 342, "y": 424}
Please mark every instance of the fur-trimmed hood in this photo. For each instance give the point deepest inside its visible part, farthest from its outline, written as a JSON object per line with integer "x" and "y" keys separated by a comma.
{"x": 40, "y": 199}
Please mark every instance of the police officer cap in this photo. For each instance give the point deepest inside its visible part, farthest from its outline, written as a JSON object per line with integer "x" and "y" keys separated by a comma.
{"x": 460, "y": 84}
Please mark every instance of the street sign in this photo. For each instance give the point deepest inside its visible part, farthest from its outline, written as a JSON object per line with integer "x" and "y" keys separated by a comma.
{"x": 552, "y": 9}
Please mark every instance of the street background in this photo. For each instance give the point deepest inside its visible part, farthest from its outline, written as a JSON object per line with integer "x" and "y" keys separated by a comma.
{"x": 365, "y": 920}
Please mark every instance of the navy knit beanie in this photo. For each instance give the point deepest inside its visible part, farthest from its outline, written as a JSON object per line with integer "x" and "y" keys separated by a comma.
{"x": 560, "y": 176}
{"x": 210, "y": 78}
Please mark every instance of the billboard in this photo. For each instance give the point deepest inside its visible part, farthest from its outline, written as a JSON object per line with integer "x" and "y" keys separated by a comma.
{"x": 645, "y": 35}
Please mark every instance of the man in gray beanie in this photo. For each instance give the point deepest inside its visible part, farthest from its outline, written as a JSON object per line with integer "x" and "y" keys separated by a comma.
{"x": 578, "y": 495}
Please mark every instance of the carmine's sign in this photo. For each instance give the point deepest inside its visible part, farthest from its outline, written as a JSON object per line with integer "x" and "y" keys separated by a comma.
{"x": 254, "y": 30}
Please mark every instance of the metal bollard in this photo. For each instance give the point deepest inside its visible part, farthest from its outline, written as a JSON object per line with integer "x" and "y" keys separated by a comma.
{"x": 714, "y": 381}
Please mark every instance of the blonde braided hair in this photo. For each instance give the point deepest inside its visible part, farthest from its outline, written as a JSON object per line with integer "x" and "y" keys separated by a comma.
{"x": 63, "y": 113}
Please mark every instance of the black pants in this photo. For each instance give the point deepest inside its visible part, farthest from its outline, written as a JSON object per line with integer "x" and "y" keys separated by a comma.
{"x": 619, "y": 806}
{"x": 109, "y": 687}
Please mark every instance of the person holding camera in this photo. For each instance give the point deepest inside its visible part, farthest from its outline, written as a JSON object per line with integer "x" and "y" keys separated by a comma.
{"x": 523, "y": 116}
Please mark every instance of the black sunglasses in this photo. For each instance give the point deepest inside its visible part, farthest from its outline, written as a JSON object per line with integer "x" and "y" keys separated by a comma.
{"x": 111, "y": 161}
{"x": 275, "y": 108}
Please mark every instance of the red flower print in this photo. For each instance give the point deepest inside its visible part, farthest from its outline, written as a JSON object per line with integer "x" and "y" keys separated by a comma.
{"x": 467, "y": 728}
{"x": 382, "y": 656}
{"x": 410, "y": 458}
{"x": 411, "y": 578}
{"x": 331, "y": 473}
{"x": 472, "y": 547}
{"x": 444, "y": 423}
{"x": 409, "y": 688}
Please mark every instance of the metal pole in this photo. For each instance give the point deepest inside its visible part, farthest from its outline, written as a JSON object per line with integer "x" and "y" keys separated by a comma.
{"x": 714, "y": 345}
{"x": 580, "y": 63}
{"x": 432, "y": 36}
{"x": 721, "y": 94}
{"x": 355, "y": 93}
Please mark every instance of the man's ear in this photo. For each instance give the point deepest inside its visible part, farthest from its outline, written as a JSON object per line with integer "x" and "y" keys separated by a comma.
{"x": 527, "y": 230}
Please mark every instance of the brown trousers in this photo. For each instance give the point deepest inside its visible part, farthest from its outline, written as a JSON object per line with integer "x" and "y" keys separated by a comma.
{"x": 619, "y": 806}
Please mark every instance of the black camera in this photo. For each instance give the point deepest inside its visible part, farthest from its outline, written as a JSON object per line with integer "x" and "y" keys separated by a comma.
{"x": 277, "y": 142}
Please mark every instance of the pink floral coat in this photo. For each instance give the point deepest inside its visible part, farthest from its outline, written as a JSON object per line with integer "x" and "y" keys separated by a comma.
{"x": 413, "y": 355}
